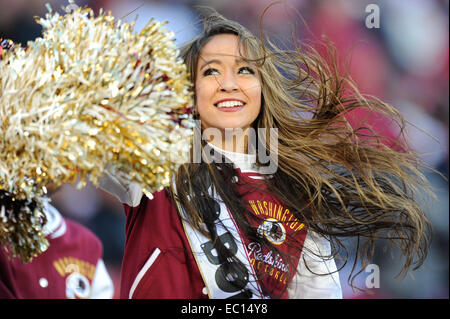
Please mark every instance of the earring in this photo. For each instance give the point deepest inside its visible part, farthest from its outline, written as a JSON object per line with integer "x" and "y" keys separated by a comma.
{"x": 195, "y": 115}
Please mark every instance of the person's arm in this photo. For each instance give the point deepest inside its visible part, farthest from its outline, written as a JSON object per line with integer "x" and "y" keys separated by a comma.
{"x": 316, "y": 278}
{"x": 126, "y": 192}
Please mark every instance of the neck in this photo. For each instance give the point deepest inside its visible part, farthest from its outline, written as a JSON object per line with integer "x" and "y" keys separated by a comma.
{"x": 232, "y": 140}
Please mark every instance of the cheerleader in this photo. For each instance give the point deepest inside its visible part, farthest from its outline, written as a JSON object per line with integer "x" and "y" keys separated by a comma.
{"x": 277, "y": 182}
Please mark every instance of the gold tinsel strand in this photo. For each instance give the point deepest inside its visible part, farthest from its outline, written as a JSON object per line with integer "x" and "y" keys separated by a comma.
{"x": 89, "y": 93}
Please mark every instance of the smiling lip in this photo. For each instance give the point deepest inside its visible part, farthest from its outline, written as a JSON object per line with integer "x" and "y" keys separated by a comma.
{"x": 226, "y": 100}
{"x": 230, "y": 109}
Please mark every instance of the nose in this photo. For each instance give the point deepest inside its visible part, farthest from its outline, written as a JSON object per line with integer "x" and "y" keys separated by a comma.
{"x": 228, "y": 83}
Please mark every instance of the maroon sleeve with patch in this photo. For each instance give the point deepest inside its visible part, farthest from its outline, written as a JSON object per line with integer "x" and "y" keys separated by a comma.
{"x": 65, "y": 270}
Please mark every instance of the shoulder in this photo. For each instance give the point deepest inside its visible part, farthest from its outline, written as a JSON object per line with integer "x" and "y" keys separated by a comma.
{"x": 317, "y": 276}
{"x": 316, "y": 246}
{"x": 77, "y": 231}
{"x": 65, "y": 233}
{"x": 157, "y": 200}
{"x": 158, "y": 212}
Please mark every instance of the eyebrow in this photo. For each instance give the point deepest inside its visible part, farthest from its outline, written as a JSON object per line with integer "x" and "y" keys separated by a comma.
{"x": 207, "y": 62}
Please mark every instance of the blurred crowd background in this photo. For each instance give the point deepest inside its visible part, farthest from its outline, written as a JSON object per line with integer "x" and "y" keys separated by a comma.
{"x": 404, "y": 61}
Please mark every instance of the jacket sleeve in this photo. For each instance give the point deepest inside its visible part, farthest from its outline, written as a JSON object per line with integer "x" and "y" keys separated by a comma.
{"x": 126, "y": 192}
{"x": 316, "y": 277}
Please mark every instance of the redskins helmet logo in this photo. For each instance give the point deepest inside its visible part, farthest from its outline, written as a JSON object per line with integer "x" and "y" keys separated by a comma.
{"x": 273, "y": 230}
{"x": 77, "y": 285}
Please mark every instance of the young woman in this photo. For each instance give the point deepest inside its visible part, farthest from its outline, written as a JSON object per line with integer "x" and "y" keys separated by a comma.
{"x": 228, "y": 227}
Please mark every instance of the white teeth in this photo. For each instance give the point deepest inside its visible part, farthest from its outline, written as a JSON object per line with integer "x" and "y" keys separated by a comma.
{"x": 230, "y": 104}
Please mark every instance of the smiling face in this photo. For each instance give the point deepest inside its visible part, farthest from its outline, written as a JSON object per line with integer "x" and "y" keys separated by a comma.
{"x": 228, "y": 89}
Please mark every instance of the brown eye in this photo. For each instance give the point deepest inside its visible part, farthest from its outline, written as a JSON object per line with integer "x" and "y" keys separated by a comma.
{"x": 210, "y": 71}
{"x": 246, "y": 70}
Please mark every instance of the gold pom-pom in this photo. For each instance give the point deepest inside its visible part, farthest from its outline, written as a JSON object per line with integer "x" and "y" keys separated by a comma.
{"x": 90, "y": 92}
{"x": 22, "y": 226}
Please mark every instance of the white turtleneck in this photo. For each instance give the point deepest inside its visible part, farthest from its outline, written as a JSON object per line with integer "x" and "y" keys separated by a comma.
{"x": 245, "y": 162}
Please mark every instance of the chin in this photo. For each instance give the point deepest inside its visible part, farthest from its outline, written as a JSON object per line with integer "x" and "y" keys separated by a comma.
{"x": 233, "y": 126}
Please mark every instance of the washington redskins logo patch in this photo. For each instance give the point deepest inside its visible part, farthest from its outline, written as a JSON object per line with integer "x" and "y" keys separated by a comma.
{"x": 78, "y": 273}
{"x": 273, "y": 230}
{"x": 77, "y": 286}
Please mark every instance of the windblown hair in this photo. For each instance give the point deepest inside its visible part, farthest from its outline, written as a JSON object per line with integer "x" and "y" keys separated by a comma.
{"x": 340, "y": 181}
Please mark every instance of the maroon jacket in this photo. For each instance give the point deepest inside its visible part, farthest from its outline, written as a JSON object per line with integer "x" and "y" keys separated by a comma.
{"x": 158, "y": 262}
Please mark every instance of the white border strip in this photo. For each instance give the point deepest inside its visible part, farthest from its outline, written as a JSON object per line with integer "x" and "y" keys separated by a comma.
{"x": 144, "y": 269}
